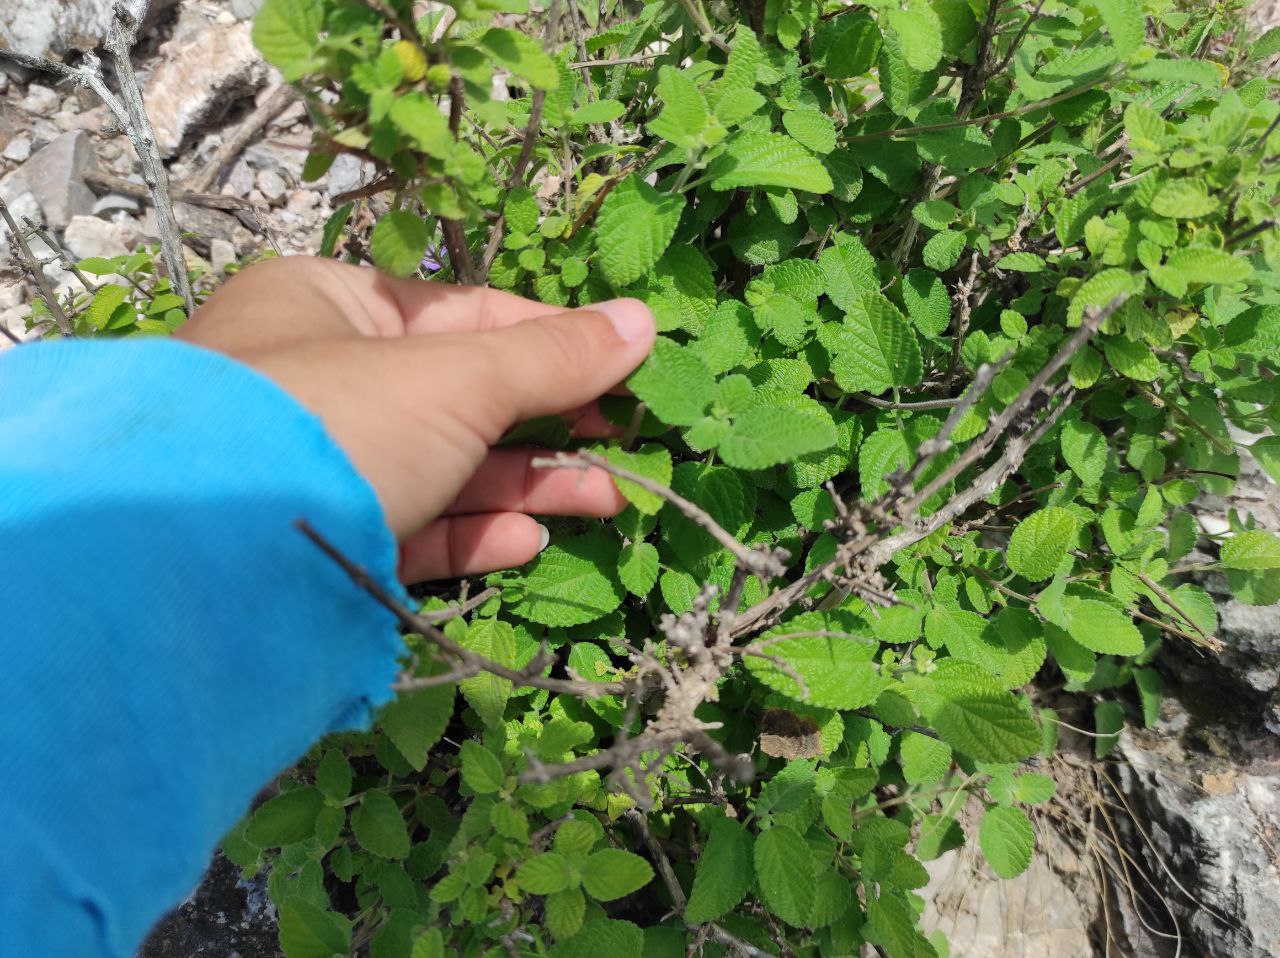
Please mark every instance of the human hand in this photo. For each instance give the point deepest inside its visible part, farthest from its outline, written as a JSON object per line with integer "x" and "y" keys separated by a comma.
{"x": 417, "y": 382}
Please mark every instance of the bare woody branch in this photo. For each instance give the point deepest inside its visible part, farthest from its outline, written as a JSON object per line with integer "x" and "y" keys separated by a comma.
{"x": 759, "y": 561}
{"x": 35, "y": 269}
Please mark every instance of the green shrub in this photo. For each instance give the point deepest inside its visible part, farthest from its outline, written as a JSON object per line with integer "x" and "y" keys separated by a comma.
{"x": 960, "y": 305}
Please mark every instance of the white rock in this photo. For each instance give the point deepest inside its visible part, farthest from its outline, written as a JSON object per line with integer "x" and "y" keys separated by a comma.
{"x": 272, "y": 185}
{"x": 245, "y": 9}
{"x": 41, "y": 100}
{"x": 221, "y": 255}
{"x": 89, "y": 236}
{"x": 18, "y": 150}
{"x": 198, "y": 78}
{"x": 113, "y": 204}
{"x": 55, "y": 176}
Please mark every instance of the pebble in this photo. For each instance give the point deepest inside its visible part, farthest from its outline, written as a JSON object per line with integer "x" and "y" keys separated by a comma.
{"x": 272, "y": 186}
{"x": 41, "y": 100}
{"x": 18, "y": 150}
{"x": 221, "y": 255}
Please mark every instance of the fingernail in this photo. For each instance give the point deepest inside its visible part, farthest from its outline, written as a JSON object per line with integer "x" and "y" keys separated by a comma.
{"x": 631, "y": 318}
{"x": 544, "y": 536}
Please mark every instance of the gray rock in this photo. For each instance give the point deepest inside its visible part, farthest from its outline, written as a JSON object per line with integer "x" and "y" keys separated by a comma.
{"x": 55, "y": 176}
{"x": 347, "y": 173}
{"x": 245, "y": 9}
{"x": 109, "y": 206}
{"x": 221, "y": 255}
{"x": 41, "y": 100}
{"x": 272, "y": 186}
{"x": 89, "y": 236}
{"x": 198, "y": 78}
{"x": 18, "y": 150}
{"x": 44, "y": 27}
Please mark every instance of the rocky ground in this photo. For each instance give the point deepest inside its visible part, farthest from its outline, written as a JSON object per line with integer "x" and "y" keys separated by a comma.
{"x": 202, "y": 80}
{"x": 1169, "y": 848}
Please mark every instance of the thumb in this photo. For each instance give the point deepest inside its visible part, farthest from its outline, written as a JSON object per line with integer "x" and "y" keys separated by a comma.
{"x": 550, "y": 364}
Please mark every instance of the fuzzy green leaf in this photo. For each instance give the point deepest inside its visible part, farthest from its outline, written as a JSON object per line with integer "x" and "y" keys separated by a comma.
{"x": 785, "y": 872}
{"x": 1251, "y": 550}
{"x": 1040, "y": 542}
{"x": 768, "y": 435}
{"x": 674, "y": 383}
{"x": 1101, "y": 627}
{"x": 379, "y": 826}
{"x": 634, "y": 228}
{"x": 573, "y": 582}
{"x": 613, "y": 873}
{"x": 1007, "y": 840}
{"x": 878, "y": 349}
{"x": 768, "y": 159}
{"x": 399, "y": 243}
{"x": 724, "y": 876}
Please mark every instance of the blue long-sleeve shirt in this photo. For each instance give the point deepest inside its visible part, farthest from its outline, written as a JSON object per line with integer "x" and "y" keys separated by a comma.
{"x": 168, "y": 640}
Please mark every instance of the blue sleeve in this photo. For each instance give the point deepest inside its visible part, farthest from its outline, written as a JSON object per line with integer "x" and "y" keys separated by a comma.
{"x": 168, "y": 640}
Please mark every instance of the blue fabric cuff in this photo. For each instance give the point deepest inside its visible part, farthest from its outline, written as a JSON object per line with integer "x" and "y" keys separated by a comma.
{"x": 168, "y": 639}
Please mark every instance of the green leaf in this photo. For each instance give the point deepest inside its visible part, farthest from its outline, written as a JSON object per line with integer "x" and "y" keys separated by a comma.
{"x": 811, "y": 129}
{"x": 878, "y": 349}
{"x": 1267, "y": 452}
{"x": 334, "y": 775}
{"x": 837, "y": 672}
{"x": 724, "y": 872}
{"x": 785, "y": 873}
{"x": 845, "y": 46}
{"x": 288, "y": 34}
{"x": 545, "y": 874}
{"x": 638, "y": 567}
{"x": 1204, "y": 73}
{"x": 613, "y": 873}
{"x": 651, "y": 461}
{"x": 925, "y": 760}
{"x": 674, "y": 384}
{"x": 602, "y": 938}
{"x": 633, "y": 229}
{"x": 768, "y": 159}
{"x": 522, "y": 55}
{"x": 573, "y": 582}
{"x": 1108, "y": 720}
{"x": 379, "y": 826}
{"x": 488, "y": 693}
{"x": 481, "y": 769}
{"x": 1251, "y": 550}
{"x": 1101, "y": 627}
{"x": 428, "y": 944}
{"x": 1084, "y": 449}
{"x": 1135, "y": 360}
{"x": 1203, "y": 265}
{"x": 684, "y": 113}
{"x": 984, "y": 722}
{"x": 1022, "y": 263}
{"x": 943, "y": 250}
{"x": 285, "y": 819}
{"x": 848, "y": 271}
{"x": 106, "y": 301}
{"x": 920, "y": 32}
{"x": 399, "y": 243}
{"x": 768, "y": 435}
{"x": 599, "y": 111}
{"x": 1125, "y": 23}
{"x": 308, "y": 931}
{"x": 1184, "y": 199}
{"x": 1034, "y": 788}
{"x": 420, "y": 119}
{"x": 565, "y": 911}
{"x": 415, "y": 720}
{"x": 1040, "y": 543}
{"x": 1007, "y": 840}
{"x": 927, "y": 301}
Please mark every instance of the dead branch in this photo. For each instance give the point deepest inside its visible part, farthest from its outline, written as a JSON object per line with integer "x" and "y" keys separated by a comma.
{"x": 32, "y": 265}
{"x": 275, "y": 104}
{"x": 759, "y": 561}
